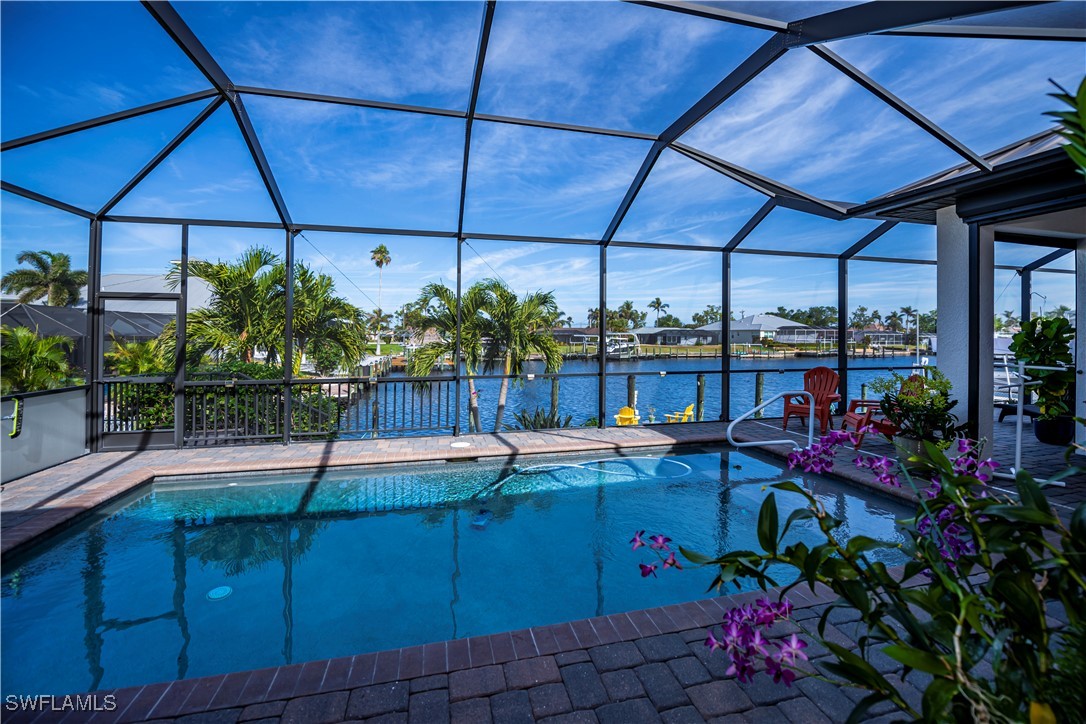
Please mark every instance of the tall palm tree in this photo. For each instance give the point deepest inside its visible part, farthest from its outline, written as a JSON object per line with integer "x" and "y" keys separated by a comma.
{"x": 436, "y": 307}
{"x": 658, "y": 306}
{"x": 29, "y": 362}
{"x": 50, "y": 276}
{"x": 515, "y": 329}
{"x": 893, "y": 321}
{"x": 381, "y": 258}
{"x": 1009, "y": 318}
{"x": 909, "y": 317}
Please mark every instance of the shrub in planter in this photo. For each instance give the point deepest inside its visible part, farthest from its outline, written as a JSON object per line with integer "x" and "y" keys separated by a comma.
{"x": 1046, "y": 342}
{"x": 919, "y": 407}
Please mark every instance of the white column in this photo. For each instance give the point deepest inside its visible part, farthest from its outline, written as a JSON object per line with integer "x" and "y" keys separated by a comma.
{"x": 1080, "y": 340}
{"x": 954, "y": 302}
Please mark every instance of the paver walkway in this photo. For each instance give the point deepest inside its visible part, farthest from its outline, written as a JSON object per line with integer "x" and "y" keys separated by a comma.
{"x": 644, "y": 666}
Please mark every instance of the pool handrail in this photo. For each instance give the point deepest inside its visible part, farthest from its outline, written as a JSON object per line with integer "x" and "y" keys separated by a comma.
{"x": 767, "y": 403}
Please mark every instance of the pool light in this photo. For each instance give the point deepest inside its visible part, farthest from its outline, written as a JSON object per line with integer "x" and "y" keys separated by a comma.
{"x": 218, "y": 594}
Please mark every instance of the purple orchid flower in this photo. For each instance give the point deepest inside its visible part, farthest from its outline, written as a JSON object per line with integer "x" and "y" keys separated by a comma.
{"x": 647, "y": 570}
{"x": 636, "y": 540}
{"x": 670, "y": 562}
{"x": 660, "y": 541}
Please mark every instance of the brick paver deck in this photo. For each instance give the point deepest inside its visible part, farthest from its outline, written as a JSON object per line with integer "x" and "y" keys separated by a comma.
{"x": 642, "y": 666}
{"x": 646, "y": 666}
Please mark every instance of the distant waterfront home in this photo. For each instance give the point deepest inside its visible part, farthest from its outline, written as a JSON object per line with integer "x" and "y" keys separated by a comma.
{"x": 757, "y": 328}
{"x": 675, "y": 336}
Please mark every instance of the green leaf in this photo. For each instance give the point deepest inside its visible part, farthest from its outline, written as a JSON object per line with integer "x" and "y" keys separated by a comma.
{"x": 767, "y": 524}
{"x": 1021, "y": 514}
{"x": 862, "y": 543}
{"x": 859, "y": 712}
{"x": 797, "y": 515}
{"x": 694, "y": 556}
{"x": 791, "y": 487}
{"x": 1031, "y": 494}
{"x": 1078, "y": 523}
{"x": 936, "y": 701}
{"x": 916, "y": 659}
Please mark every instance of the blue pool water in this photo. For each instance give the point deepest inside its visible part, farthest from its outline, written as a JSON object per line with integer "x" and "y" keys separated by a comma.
{"x": 194, "y": 578}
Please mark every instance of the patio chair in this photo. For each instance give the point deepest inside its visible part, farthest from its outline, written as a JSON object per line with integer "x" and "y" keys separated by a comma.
{"x": 822, "y": 383}
{"x": 878, "y": 422}
{"x": 627, "y": 416}
{"x": 858, "y": 417}
{"x": 685, "y": 416}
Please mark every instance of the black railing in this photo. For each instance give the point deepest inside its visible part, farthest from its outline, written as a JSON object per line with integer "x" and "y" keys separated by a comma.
{"x": 137, "y": 404}
{"x": 219, "y": 412}
{"x": 362, "y": 408}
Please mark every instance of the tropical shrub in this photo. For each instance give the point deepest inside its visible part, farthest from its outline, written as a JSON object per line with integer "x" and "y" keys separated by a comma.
{"x": 136, "y": 358}
{"x": 984, "y": 572}
{"x": 920, "y": 407}
{"x": 541, "y": 419}
{"x": 29, "y": 363}
{"x": 1046, "y": 342}
{"x": 1073, "y": 123}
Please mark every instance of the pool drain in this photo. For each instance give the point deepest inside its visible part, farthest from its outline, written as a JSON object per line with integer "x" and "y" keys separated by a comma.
{"x": 218, "y": 594}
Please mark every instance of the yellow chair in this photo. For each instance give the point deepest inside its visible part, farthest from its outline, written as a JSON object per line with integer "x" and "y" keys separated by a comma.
{"x": 626, "y": 416}
{"x": 685, "y": 416}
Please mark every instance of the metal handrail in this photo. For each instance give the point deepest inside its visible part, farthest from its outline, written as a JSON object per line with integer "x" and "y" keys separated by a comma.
{"x": 1020, "y": 369}
{"x": 767, "y": 403}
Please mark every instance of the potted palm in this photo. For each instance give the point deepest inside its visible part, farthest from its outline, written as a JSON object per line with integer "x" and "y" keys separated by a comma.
{"x": 1046, "y": 342}
{"x": 920, "y": 408}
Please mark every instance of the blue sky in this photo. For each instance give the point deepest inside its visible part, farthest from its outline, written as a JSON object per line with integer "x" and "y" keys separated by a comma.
{"x": 594, "y": 63}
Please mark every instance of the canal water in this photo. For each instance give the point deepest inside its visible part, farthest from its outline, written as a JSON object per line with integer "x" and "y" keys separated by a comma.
{"x": 664, "y": 386}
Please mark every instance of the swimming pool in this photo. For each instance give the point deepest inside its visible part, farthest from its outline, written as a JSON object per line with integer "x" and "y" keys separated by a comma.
{"x": 192, "y": 578}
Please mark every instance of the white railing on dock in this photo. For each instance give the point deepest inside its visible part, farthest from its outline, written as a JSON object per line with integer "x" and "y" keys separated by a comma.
{"x": 767, "y": 403}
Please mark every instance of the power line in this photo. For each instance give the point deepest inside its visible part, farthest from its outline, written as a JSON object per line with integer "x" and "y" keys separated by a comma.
{"x": 341, "y": 272}
{"x": 468, "y": 245}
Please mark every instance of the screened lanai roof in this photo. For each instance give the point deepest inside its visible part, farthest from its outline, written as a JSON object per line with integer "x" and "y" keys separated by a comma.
{"x": 768, "y": 125}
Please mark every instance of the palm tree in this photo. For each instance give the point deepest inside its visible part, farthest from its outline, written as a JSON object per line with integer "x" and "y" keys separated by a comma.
{"x": 241, "y": 316}
{"x": 378, "y": 320}
{"x": 137, "y": 358}
{"x": 659, "y": 306}
{"x": 50, "y": 276}
{"x": 436, "y": 307}
{"x": 381, "y": 258}
{"x": 893, "y": 321}
{"x": 324, "y": 320}
{"x": 29, "y": 363}
{"x": 594, "y": 317}
{"x": 1062, "y": 312}
{"x": 516, "y": 328}
{"x": 1009, "y": 318}
{"x": 907, "y": 314}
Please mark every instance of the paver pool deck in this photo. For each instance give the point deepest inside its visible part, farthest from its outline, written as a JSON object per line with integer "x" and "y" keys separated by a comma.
{"x": 641, "y": 666}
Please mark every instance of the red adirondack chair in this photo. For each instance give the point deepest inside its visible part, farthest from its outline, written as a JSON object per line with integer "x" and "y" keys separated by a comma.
{"x": 822, "y": 383}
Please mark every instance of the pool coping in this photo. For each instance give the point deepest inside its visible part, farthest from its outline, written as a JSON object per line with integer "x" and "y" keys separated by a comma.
{"x": 52, "y": 516}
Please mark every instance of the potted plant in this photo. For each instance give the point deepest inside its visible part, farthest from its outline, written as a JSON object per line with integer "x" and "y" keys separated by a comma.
{"x": 920, "y": 408}
{"x": 1046, "y": 342}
